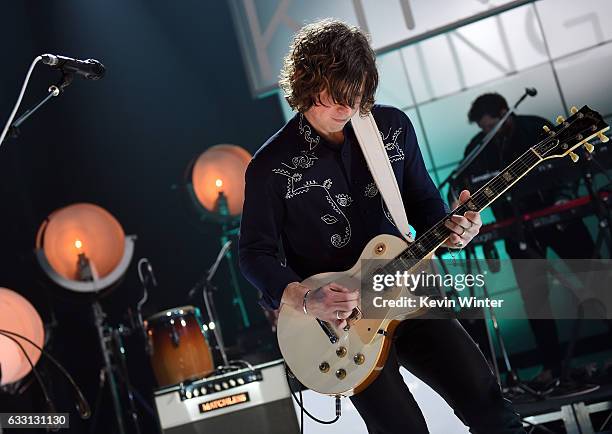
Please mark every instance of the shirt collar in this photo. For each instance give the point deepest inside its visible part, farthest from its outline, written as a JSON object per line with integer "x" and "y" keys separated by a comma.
{"x": 310, "y": 139}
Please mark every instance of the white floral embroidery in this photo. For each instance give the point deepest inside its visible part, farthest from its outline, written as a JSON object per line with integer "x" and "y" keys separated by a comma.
{"x": 393, "y": 148}
{"x": 370, "y": 190}
{"x": 344, "y": 199}
{"x": 329, "y": 219}
{"x": 303, "y": 161}
{"x": 306, "y": 131}
{"x": 337, "y": 240}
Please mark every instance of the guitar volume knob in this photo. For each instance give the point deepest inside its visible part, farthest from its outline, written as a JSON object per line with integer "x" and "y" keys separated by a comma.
{"x": 341, "y": 351}
{"x": 340, "y": 374}
{"x": 324, "y": 367}
{"x": 359, "y": 359}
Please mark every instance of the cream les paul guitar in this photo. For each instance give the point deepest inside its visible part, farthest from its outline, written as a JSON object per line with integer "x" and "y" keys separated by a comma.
{"x": 344, "y": 362}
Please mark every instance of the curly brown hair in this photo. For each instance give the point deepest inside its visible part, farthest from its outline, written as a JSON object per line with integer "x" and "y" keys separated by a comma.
{"x": 334, "y": 56}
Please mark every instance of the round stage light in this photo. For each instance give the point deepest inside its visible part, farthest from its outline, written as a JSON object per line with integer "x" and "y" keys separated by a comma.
{"x": 17, "y": 315}
{"x": 82, "y": 247}
{"x": 219, "y": 171}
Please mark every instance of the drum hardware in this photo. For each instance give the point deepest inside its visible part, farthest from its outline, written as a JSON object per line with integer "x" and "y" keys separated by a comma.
{"x": 205, "y": 283}
{"x": 145, "y": 280}
{"x": 106, "y": 335}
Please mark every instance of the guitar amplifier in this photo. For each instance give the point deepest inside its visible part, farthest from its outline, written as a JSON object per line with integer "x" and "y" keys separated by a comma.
{"x": 254, "y": 400}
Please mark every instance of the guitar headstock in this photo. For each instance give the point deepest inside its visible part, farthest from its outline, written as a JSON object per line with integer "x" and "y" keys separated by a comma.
{"x": 571, "y": 133}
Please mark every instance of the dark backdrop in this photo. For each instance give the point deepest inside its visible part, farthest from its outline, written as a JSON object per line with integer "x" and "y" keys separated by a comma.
{"x": 175, "y": 85}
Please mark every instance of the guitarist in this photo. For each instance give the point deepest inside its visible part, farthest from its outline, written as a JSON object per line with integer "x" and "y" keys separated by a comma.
{"x": 570, "y": 240}
{"x": 308, "y": 189}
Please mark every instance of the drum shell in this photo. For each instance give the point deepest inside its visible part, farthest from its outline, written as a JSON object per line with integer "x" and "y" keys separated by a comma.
{"x": 179, "y": 350}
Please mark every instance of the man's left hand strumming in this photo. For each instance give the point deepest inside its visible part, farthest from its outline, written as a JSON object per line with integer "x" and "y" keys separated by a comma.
{"x": 464, "y": 227}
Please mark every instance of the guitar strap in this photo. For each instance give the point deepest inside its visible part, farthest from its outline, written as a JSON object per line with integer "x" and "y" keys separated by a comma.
{"x": 375, "y": 154}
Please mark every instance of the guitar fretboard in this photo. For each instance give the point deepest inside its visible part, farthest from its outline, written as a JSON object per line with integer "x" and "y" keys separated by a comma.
{"x": 478, "y": 201}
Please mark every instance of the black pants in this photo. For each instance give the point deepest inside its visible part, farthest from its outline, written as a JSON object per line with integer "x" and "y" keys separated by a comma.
{"x": 570, "y": 241}
{"x": 442, "y": 354}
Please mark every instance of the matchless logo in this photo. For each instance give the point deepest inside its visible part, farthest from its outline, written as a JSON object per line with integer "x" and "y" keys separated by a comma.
{"x": 226, "y": 401}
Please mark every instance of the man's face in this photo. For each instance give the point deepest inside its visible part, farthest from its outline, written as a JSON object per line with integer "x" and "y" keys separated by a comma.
{"x": 328, "y": 116}
{"x": 487, "y": 122}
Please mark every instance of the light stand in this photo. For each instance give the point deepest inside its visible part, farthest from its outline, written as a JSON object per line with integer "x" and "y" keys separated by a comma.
{"x": 215, "y": 184}
{"x": 226, "y": 231}
{"x": 85, "y": 272}
{"x": 63, "y": 237}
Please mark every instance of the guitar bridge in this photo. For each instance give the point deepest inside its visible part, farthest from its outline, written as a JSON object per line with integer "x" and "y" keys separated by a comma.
{"x": 328, "y": 330}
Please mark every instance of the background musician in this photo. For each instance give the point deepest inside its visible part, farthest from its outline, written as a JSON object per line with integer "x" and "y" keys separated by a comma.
{"x": 569, "y": 240}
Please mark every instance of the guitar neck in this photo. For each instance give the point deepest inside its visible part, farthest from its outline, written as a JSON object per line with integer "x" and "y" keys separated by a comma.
{"x": 583, "y": 125}
{"x": 478, "y": 201}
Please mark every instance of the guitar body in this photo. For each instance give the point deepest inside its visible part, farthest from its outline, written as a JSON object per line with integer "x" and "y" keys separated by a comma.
{"x": 349, "y": 365}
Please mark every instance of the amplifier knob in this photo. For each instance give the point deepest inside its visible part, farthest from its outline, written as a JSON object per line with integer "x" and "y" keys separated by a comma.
{"x": 196, "y": 392}
{"x": 217, "y": 387}
{"x": 359, "y": 359}
{"x": 203, "y": 390}
{"x": 241, "y": 381}
{"x": 225, "y": 385}
{"x": 340, "y": 374}
{"x": 188, "y": 394}
{"x": 341, "y": 352}
{"x": 232, "y": 382}
{"x": 324, "y": 367}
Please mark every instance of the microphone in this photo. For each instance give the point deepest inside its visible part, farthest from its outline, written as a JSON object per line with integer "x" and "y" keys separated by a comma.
{"x": 531, "y": 91}
{"x": 90, "y": 69}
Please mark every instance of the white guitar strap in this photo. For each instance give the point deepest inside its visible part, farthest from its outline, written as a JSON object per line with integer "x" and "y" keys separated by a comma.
{"x": 375, "y": 154}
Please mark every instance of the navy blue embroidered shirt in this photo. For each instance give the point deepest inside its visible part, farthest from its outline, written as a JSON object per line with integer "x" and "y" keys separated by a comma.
{"x": 318, "y": 202}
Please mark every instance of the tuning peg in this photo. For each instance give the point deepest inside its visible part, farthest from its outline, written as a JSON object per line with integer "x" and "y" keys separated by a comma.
{"x": 560, "y": 119}
{"x": 602, "y": 137}
{"x": 589, "y": 147}
{"x": 573, "y": 110}
{"x": 546, "y": 129}
{"x": 574, "y": 156}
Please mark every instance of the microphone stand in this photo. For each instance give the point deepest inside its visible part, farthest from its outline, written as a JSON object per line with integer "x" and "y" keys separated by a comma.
{"x": 458, "y": 171}
{"x": 602, "y": 212}
{"x": 54, "y": 91}
{"x": 207, "y": 288}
